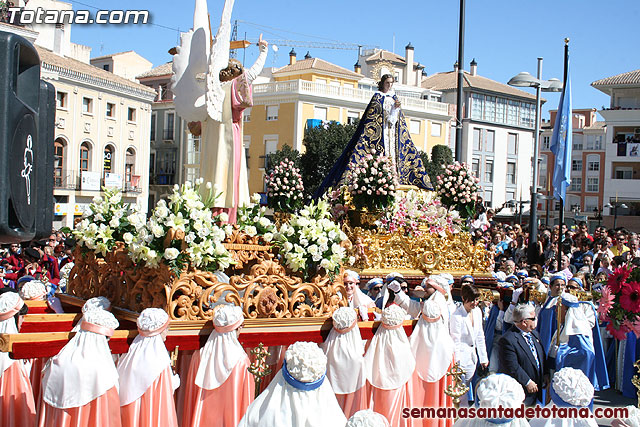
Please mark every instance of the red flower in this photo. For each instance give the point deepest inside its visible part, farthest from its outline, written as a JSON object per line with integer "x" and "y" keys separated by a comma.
{"x": 617, "y": 279}
{"x": 619, "y": 334}
{"x": 630, "y": 298}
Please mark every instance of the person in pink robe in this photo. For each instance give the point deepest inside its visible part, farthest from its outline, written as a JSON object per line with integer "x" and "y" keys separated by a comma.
{"x": 146, "y": 379}
{"x": 17, "y": 406}
{"x": 80, "y": 384}
{"x": 390, "y": 363}
{"x": 346, "y": 371}
{"x": 218, "y": 387}
{"x": 432, "y": 347}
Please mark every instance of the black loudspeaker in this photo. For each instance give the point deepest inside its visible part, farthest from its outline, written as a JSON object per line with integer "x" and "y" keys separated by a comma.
{"x": 44, "y": 172}
{"x": 27, "y": 109}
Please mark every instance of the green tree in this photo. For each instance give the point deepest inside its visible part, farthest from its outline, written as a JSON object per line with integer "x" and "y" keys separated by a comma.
{"x": 323, "y": 146}
{"x": 441, "y": 157}
{"x": 285, "y": 153}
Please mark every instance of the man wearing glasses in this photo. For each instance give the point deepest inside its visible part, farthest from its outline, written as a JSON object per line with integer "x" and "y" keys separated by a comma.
{"x": 522, "y": 356}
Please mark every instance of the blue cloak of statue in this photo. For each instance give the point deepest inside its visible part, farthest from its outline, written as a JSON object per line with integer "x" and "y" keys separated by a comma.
{"x": 370, "y": 135}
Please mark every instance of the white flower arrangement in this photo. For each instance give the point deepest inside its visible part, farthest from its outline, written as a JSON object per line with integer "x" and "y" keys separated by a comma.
{"x": 367, "y": 418}
{"x": 393, "y": 315}
{"x": 183, "y": 232}
{"x": 372, "y": 180}
{"x": 284, "y": 187}
{"x": 253, "y": 221}
{"x": 311, "y": 240}
{"x": 151, "y": 319}
{"x": 343, "y": 317}
{"x": 306, "y": 362}
{"x": 107, "y": 221}
{"x": 573, "y": 386}
{"x": 415, "y": 211}
{"x": 457, "y": 188}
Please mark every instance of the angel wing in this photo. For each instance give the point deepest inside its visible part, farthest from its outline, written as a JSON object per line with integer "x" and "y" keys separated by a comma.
{"x": 217, "y": 61}
{"x": 190, "y": 66}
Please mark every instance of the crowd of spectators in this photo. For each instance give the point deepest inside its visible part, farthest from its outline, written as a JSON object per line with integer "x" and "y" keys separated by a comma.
{"x": 43, "y": 260}
{"x": 591, "y": 257}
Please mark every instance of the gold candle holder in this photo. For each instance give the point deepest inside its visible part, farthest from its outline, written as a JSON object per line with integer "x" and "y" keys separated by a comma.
{"x": 174, "y": 359}
{"x": 259, "y": 367}
{"x": 458, "y": 388}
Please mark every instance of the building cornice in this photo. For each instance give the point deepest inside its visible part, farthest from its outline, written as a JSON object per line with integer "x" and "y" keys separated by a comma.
{"x": 78, "y": 77}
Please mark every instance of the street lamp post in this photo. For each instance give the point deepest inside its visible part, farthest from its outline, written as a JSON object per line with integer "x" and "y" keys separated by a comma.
{"x": 598, "y": 215}
{"x": 525, "y": 79}
{"x": 615, "y": 207}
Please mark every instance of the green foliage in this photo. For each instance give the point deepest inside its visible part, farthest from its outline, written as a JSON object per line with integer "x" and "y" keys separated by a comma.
{"x": 323, "y": 144}
{"x": 286, "y": 153}
{"x": 441, "y": 157}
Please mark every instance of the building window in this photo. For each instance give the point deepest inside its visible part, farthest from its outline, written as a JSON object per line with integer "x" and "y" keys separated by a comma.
{"x": 105, "y": 67}
{"x": 246, "y": 115}
{"x": 577, "y": 142}
{"x": 153, "y": 127}
{"x": 623, "y": 173}
{"x": 488, "y": 170}
{"x": 272, "y": 113}
{"x": 593, "y": 166}
{"x": 501, "y": 108}
{"x": 477, "y": 106}
{"x": 511, "y": 196}
{"x": 511, "y": 173}
{"x": 490, "y": 108}
{"x": 129, "y": 165}
{"x": 436, "y": 129}
{"x": 415, "y": 127}
{"x": 192, "y": 166}
{"x": 576, "y": 184}
{"x": 593, "y": 184}
{"x": 61, "y": 100}
{"x": 168, "y": 126}
{"x": 477, "y": 139}
{"x": 131, "y": 114}
{"x": 576, "y": 165}
{"x": 490, "y": 137}
{"x": 111, "y": 109}
{"x": 527, "y": 114}
{"x": 270, "y": 146}
{"x": 488, "y": 198}
{"x": 512, "y": 144}
{"x": 87, "y": 105}
{"x": 319, "y": 113}
{"x": 58, "y": 162}
{"x": 352, "y": 117}
{"x": 475, "y": 167}
{"x": 85, "y": 151}
{"x": 545, "y": 142}
{"x": 107, "y": 160}
{"x": 512, "y": 113}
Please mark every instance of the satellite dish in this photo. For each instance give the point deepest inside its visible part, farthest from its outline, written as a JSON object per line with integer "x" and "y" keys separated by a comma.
{"x": 274, "y": 47}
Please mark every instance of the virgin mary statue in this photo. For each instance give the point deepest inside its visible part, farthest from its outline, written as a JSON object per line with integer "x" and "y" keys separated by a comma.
{"x": 384, "y": 129}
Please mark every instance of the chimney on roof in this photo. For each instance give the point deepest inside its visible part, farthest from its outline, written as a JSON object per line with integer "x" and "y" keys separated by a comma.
{"x": 292, "y": 57}
{"x": 357, "y": 68}
{"x": 418, "y": 73}
{"x": 455, "y": 67}
{"x": 307, "y": 56}
{"x": 474, "y": 67}
{"x": 408, "y": 77}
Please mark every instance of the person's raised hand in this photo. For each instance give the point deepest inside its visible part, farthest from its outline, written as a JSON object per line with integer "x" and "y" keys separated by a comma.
{"x": 262, "y": 43}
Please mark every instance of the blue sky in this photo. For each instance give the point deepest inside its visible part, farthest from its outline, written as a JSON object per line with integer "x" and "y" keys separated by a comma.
{"x": 504, "y": 36}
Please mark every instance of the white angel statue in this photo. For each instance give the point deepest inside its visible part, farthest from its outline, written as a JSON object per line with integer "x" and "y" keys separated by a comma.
{"x": 210, "y": 92}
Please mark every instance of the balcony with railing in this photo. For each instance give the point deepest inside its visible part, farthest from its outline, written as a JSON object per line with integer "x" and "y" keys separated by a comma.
{"x": 72, "y": 180}
{"x": 305, "y": 87}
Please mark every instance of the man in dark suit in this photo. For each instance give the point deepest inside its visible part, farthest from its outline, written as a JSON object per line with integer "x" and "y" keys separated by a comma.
{"x": 522, "y": 356}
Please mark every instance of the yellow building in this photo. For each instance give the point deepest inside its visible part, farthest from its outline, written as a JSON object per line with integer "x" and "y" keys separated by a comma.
{"x": 285, "y": 99}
